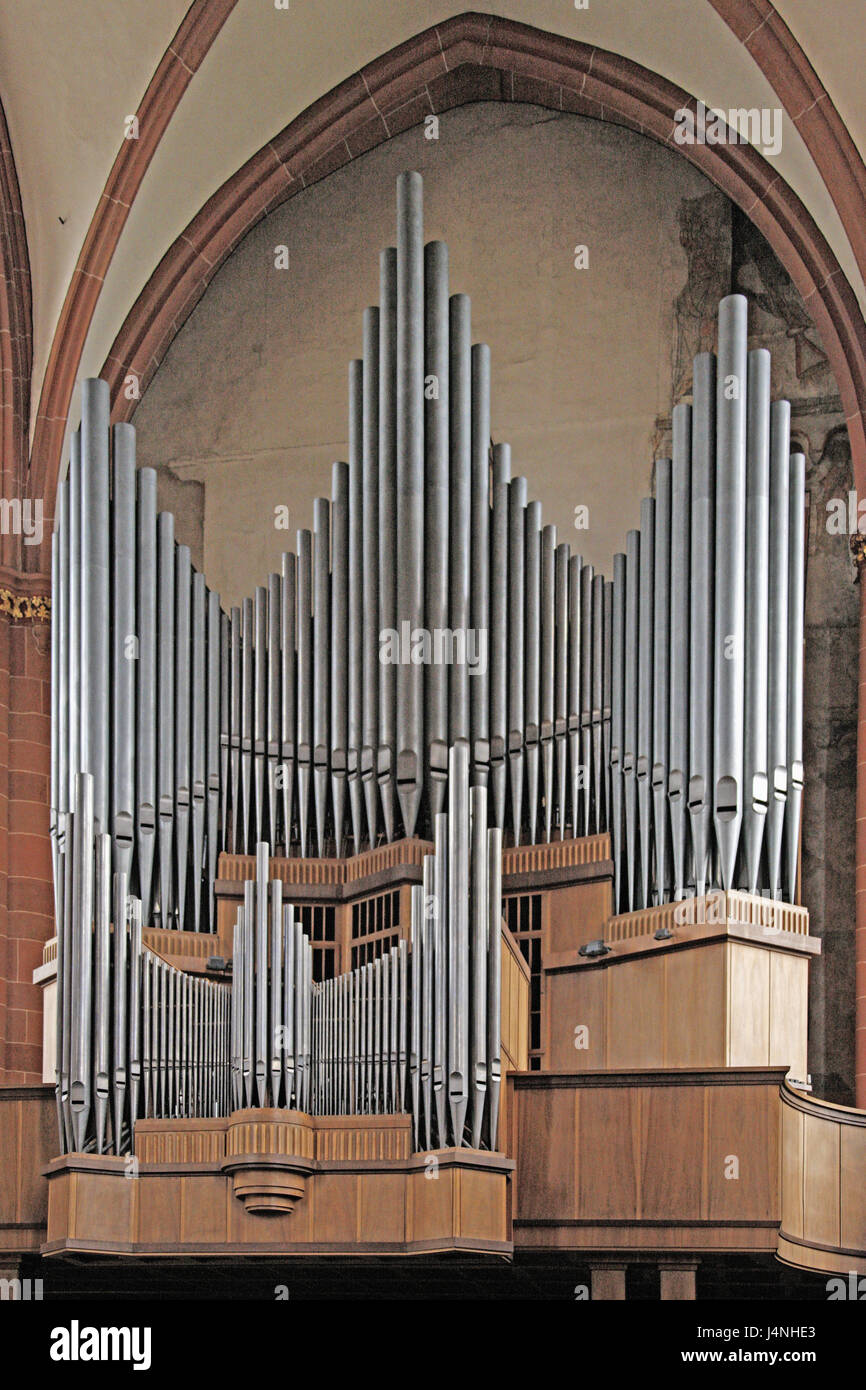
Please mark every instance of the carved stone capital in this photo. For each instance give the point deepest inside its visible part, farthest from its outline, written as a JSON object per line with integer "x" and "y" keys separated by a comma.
{"x": 858, "y": 551}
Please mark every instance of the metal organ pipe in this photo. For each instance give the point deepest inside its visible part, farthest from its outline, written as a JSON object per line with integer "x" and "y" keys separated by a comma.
{"x": 198, "y": 760}
{"x": 321, "y": 673}
{"x": 661, "y": 674}
{"x": 586, "y": 674}
{"x": 305, "y": 684}
{"x": 730, "y": 587}
{"x": 516, "y": 599}
{"x": 703, "y": 551}
{"x": 548, "y": 658}
{"x": 643, "y": 761}
{"x": 597, "y": 595}
{"x": 436, "y": 509}
{"x": 95, "y": 618}
{"x": 387, "y": 548}
{"x": 796, "y": 604}
{"x": 124, "y": 643}
{"x": 370, "y": 561}
{"x": 182, "y": 619}
{"x": 755, "y": 727}
{"x": 274, "y": 700}
{"x": 477, "y": 649}
{"x": 575, "y": 565}
{"x": 532, "y": 661}
{"x": 339, "y": 649}
{"x": 410, "y": 485}
{"x": 617, "y": 723}
{"x": 777, "y": 624}
{"x": 630, "y": 714}
{"x": 460, "y": 516}
{"x": 356, "y": 599}
{"x": 560, "y": 727}
{"x": 680, "y": 609}
{"x": 498, "y": 644}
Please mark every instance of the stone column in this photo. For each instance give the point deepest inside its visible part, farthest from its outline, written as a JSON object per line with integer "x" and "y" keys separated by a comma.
{"x": 677, "y": 1280}
{"x": 26, "y": 892}
{"x": 607, "y": 1281}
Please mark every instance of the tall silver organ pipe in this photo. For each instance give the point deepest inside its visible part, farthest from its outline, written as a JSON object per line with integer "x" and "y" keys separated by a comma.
{"x": 796, "y": 622}
{"x": 273, "y": 723}
{"x": 661, "y": 674}
{"x": 304, "y": 684}
{"x": 355, "y": 666}
{"x": 702, "y": 640}
{"x": 339, "y": 649}
{"x": 516, "y": 627}
{"x": 124, "y": 643}
{"x": 460, "y": 518}
{"x": 756, "y": 653}
{"x": 498, "y": 643}
{"x": 410, "y": 486}
{"x": 436, "y": 511}
{"x": 730, "y": 587}
{"x": 165, "y": 716}
{"x": 532, "y": 661}
{"x": 387, "y": 574}
{"x": 370, "y": 562}
{"x": 617, "y": 724}
{"x": 560, "y": 727}
{"x": 321, "y": 671}
{"x": 548, "y": 657}
{"x": 182, "y": 685}
{"x": 680, "y": 610}
{"x": 95, "y": 609}
{"x": 198, "y": 740}
{"x": 643, "y": 762}
{"x": 777, "y": 623}
{"x": 479, "y": 608}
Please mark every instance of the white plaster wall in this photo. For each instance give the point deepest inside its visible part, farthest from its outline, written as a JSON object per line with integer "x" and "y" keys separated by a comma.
{"x": 251, "y": 399}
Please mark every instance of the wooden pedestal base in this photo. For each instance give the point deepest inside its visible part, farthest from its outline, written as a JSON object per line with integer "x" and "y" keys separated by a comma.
{"x": 265, "y": 1182}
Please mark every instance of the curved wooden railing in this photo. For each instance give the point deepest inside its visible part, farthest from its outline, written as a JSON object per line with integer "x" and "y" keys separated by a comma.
{"x": 823, "y": 1175}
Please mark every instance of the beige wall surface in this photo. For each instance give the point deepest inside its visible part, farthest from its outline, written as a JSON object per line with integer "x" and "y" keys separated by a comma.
{"x": 251, "y": 400}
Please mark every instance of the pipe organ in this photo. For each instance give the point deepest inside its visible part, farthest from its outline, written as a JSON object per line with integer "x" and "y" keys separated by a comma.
{"x": 431, "y": 661}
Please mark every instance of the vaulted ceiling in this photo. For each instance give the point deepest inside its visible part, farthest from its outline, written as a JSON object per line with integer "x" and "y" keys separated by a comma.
{"x": 214, "y": 82}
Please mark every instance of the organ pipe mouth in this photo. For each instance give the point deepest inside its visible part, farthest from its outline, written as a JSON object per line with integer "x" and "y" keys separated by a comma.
{"x": 727, "y": 798}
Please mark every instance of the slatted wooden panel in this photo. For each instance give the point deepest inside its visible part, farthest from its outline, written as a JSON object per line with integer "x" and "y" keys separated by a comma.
{"x": 375, "y": 926}
{"x": 523, "y": 915}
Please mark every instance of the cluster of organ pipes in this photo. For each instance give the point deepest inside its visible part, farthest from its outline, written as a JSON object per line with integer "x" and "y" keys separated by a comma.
{"x": 429, "y": 610}
{"x": 272, "y": 992}
{"x": 286, "y": 720}
{"x": 137, "y": 1038}
{"x": 415, "y": 1030}
{"x": 706, "y": 758}
{"x": 137, "y": 650}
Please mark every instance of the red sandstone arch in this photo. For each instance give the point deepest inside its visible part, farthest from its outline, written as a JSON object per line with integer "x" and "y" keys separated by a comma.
{"x": 181, "y": 60}
{"x": 769, "y": 41}
{"x": 16, "y": 338}
{"x": 481, "y": 57}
